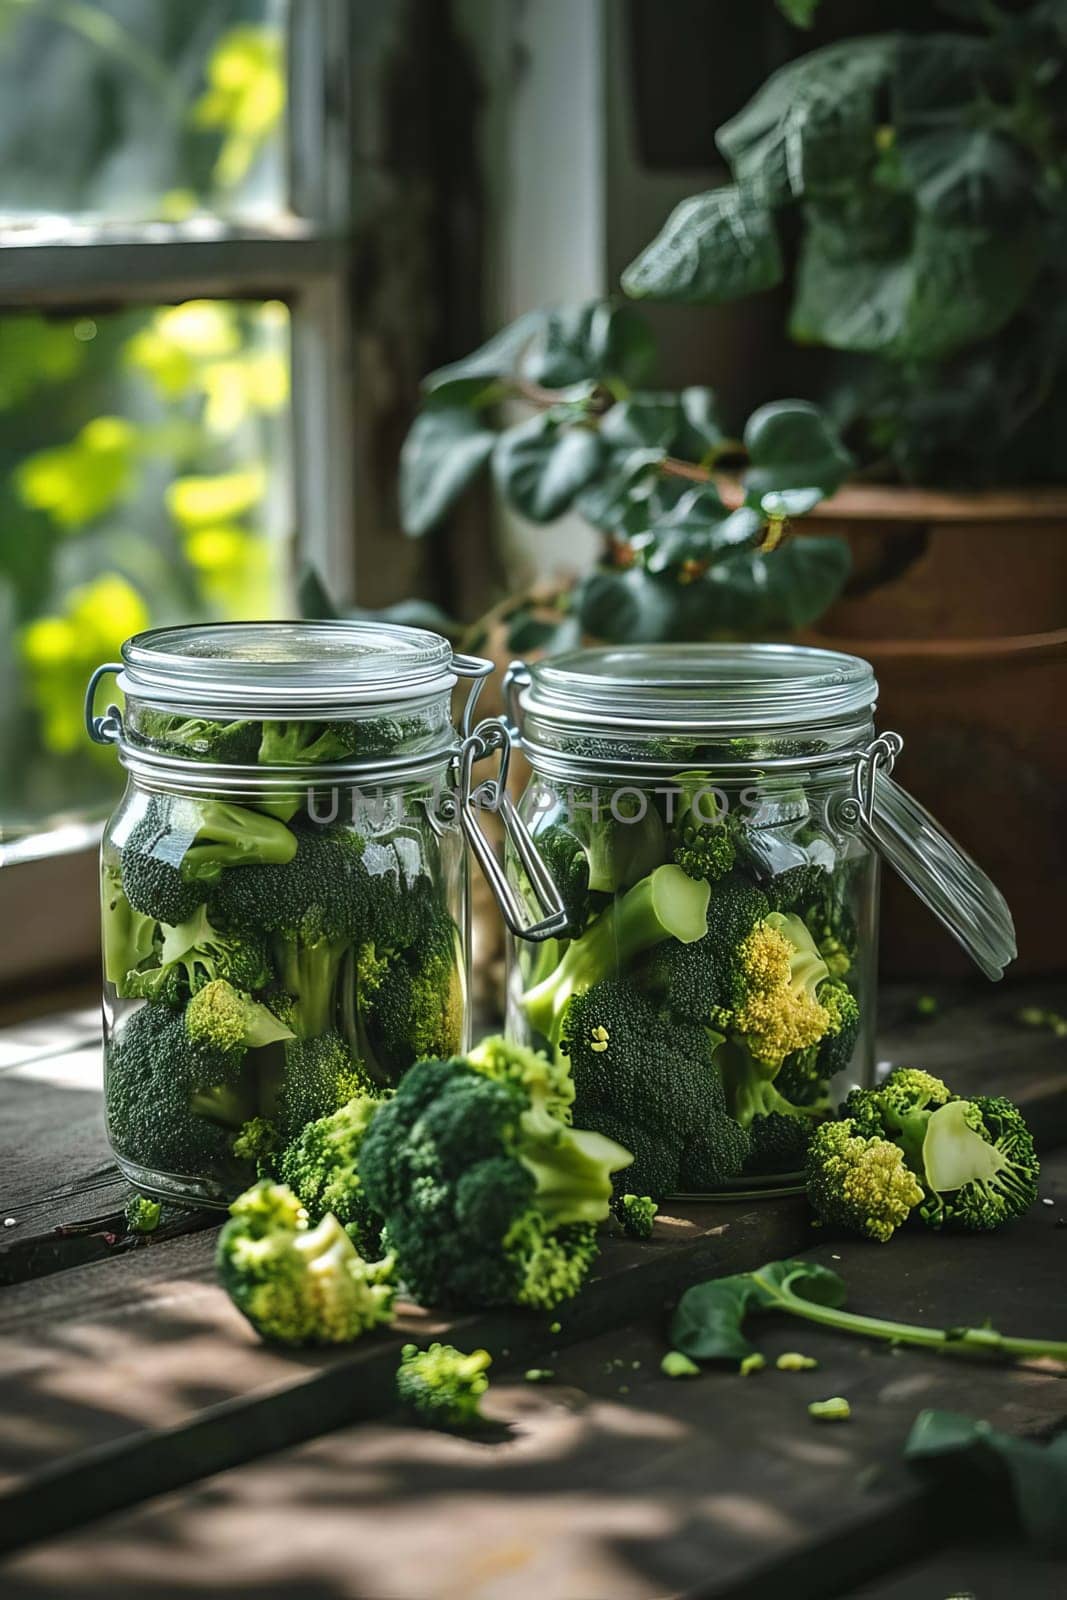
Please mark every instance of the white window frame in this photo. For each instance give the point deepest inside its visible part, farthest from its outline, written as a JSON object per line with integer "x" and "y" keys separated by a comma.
{"x": 302, "y": 258}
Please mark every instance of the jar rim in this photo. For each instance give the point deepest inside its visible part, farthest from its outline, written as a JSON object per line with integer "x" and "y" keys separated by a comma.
{"x": 304, "y": 667}
{"x": 733, "y": 687}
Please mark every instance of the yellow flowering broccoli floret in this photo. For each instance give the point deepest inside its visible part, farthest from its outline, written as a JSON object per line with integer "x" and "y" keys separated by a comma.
{"x": 779, "y": 971}
{"x": 862, "y": 1184}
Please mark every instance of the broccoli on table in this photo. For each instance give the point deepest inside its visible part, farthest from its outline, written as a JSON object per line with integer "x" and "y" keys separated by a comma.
{"x": 637, "y": 1213}
{"x": 179, "y": 849}
{"x": 142, "y": 1214}
{"x": 488, "y": 1199}
{"x": 299, "y": 1285}
{"x": 442, "y": 1385}
{"x": 547, "y": 1080}
{"x": 859, "y": 1183}
{"x": 321, "y": 1166}
{"x": 666, "y": 904}
{"x": 649, "y": 1081}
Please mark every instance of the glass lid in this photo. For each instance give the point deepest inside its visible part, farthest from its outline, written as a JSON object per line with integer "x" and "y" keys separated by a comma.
{"x": 718, "y": 687}
{"x": 304, "y": 668}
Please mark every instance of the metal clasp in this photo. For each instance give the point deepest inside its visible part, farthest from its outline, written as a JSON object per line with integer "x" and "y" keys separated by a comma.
{"x": 881, "y": 754}
{"x": 516, "y": 678}
{"x": 108, "y": 728}
{"x": 492, "y": 737}
{"x": 479, "y": 669}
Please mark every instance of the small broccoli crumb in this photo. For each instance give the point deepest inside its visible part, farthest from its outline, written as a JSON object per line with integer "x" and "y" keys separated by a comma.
{"x": 142, "y": 1214}
{"x": 753, "y": 1363}
{"x": 677, "y": 1365}
{"x": 637, "y": 1213}
{"x": 555, "y": 1327}
{"x": 927, "y": 1005}
{"x": 835, "y": 1410}
{"x": 624, "y": 1388}
{"x": 793, "y": 1361}
{"x": 442, "y": 1385}
{"x": 539, "y": 1375}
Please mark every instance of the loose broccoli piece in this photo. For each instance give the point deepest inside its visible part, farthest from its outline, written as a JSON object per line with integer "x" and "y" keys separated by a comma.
{"x": 979, "y": 1165}
{"x": 858, "y": 1183}
{"x": 546, "y": 1080}
{"x": 172, "y": 1104}
{"x": 666, "y": 904}
{"x": 649, "y": 1081}
{"x": 194, "y": 954}
{"x": 442, "y": 1385}
{"x": 128, "y": 936}
{"x": 179, "y": 848}
{"x": 299, "y": 1285}
{"x": 307, "y": 743}
{"x": 637, "y": 1213}
{"x": 234, "y": 743}
{"x": 487, "y": 1198}
{"x": 411, "y": 1000}
{"x": 142, "y": 1215}
{"x": 321, "y": 1166}
{"x": 701, "y": 842}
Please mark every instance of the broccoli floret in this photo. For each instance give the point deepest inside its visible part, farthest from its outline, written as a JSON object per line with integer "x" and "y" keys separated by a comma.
{"x": 701, "y": 842}
{"x": 487, "y": 1198}
{"x": 637, "y": 1213}
{"x": 442, "y": 1385}
{"x": 307, "y": 743}
{"x": 128, "y": 936}
{"x": 194, "y": 954}
{"x": 546, "y": 1080}
{"x": 321, "y": 1166}
{"x": 910, "y": 1089}
{"x": 666, "y": 904}
{"x": 779, "y": 1143}
{"x": 178, "y": 850}
{"x": 142, "y": 1215}
{"x": 299, "y": 1285}
{"x": 311, "y": 1079}
{"x": 411, "y": 1001}
{"x": 805, "y": 1075}
{"x": 899, "y": 1110}
{"x": 222, "y": 1018}
{"x": 649, "y": 1081}
{"x": 565, "y": 856}
{"x": 258, "y": 1142}
{"x": 622, "y": 834}
{"x": 234, "y": 743}
{"x": 861, "y": 1184}
{"x": 168, "y": 1101}
{"x": 796, "y": 888}
{"x": 979, "y": 1165}
{"x": 776, "y": 973}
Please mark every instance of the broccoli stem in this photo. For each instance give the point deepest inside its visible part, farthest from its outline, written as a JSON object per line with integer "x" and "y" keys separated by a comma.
{"x": 667, "y": 904}
{"x": 309, "y": 972}
{"x": 949, "y": 1341}
{"x": 749, "y": 1091}
{"x": 227, "y": 836}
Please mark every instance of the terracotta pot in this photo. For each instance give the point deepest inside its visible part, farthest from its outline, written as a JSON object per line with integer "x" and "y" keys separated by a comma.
{"x": 959, "y": 602}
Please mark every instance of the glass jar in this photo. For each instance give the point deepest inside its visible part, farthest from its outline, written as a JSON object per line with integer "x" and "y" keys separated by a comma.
{"x": 284, "y": 884}
{"x": 715, "y": 816}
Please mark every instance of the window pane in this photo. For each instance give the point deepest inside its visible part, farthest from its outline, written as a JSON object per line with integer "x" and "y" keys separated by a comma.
{"x": 143, "y": 480}
{"x": 124, "y": 110}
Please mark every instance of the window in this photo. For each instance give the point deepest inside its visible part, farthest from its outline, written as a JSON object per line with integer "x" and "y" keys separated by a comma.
{"x": 173, "y": 337}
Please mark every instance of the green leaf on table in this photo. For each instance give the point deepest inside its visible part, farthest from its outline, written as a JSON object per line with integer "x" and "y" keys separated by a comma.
{"x": 714, "y": 246}
{"x": 708, "y": 1324}
{"x": 443, "y": 452}
{"x": 471, "y": 380}
{"x": 964, "y": 1454}
{"x": 812, "y": 125}
{"x": 596, "y": 340}
{"x": 540, "y": 466}
{"x": 791, "y": 444}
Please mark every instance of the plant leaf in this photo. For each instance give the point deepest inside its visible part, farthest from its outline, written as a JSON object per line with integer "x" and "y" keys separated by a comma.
{"x": 443, "y": 452}
{"x": 970, "y": 176}
{"x": 644, "y": 421}
{"x": 620, "y": 500}
{"x": 464, "y": 382}
{"x": 962, "y": 1452}
{"x": 628, "y": 606}
{"x": 790, "y": 502}
{"x": 812, "y": 125}
{"x": 714, "y": 246}
{"x": 801, "y": 13}
{"x": 791, "y": 444}
{"x": 701, "y": 430}
{"x": 597, "y": 340}
{"x": 709, "y": 1320}
{"x": 778, "y": 591}
{"x": 540, "y": 466}
{"x": 312, "y": 596}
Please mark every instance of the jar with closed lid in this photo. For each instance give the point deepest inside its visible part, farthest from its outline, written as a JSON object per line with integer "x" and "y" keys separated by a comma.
{"x": 715, "y": 817}
{"x": 284, "y": 885}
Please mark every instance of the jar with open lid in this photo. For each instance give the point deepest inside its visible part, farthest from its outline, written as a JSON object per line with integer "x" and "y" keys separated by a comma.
{"x": 285, "y": 884}
{"x": 715, "y": 817}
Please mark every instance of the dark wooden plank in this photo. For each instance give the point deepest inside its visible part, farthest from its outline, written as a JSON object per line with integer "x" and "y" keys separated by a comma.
{"x": 614, "y": 1483}
{"x": 994, "y": 1571}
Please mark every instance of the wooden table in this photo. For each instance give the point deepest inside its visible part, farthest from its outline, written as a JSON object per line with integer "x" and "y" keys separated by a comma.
{"x": 149, "y": 1445}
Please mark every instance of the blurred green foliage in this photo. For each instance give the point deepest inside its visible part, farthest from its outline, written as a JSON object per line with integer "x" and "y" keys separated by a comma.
{"x": 142, "y": 452}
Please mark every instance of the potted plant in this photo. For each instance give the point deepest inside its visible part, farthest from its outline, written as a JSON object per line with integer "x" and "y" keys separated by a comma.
{"x": 927, "y": 176}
